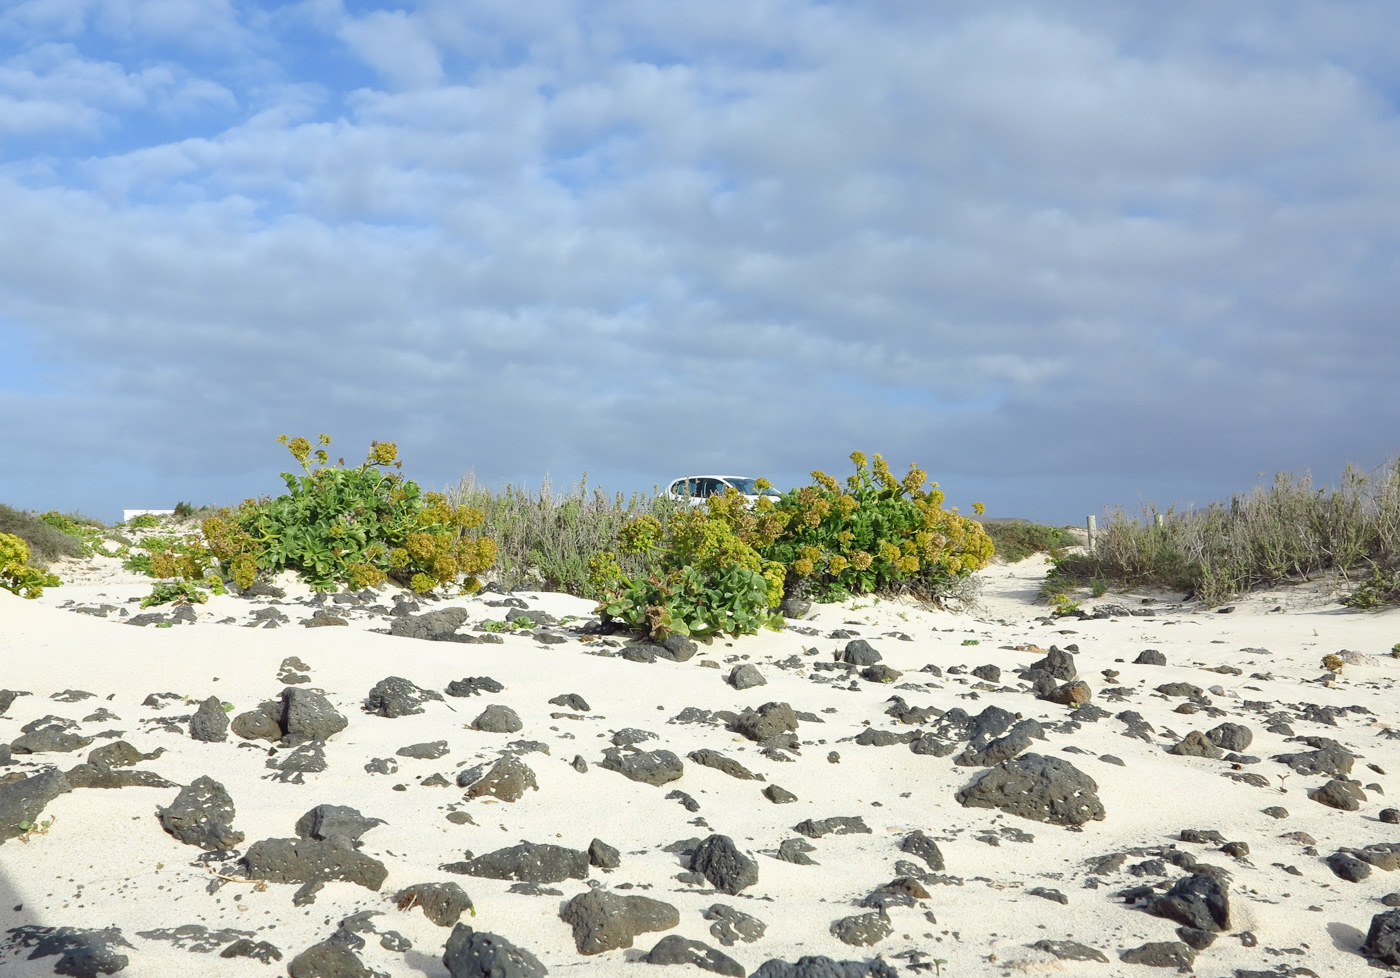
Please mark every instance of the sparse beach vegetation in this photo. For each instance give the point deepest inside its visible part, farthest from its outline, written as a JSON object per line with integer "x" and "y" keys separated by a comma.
{"x": 725, "y": 567}
{"x": 1287, "y": 531}
{"x": 1016, "y": 540}
{"x": 545, "y": 539}
{"x": 356, "y": 526}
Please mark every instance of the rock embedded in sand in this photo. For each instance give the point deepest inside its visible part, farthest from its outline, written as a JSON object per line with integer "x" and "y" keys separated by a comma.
{"x": 328, "y": 959}
{"x": 260, "y": 724}
{"x": 655, "y": 767}
{"x": 100, "y": 776}
{"x": 1382, "y": 855}
{"x": 713, "y": 758}
{"x": 1195, "y": 744}
{"x": 1057, "y": 664}
{"x": 1331, "y": 759}
{"x": 1231, "y": 736}
{"x": 307, "y": 715}
{"x": 603, "y": 856}
{"x": 474, "y": 686}
{"x": 1045, "y": 789}
{"x": 508, "y": 779}
{"x": 1161, "y": 954}
{"x": 1382, "y": 943}
{"x": 745, "y": 676}
{"x": 530, "y": 862}
{"x": 202, "y": 815}
{"x": 779, "y": 795}
{"x": 820, "y": 966}
{"x": 1149, "y": 657}
{"x": 769, "y": 722}
{"x": 862, "y": 930}
{"x": 442, "y": 903}
{"x": 720, "y": 861}
{"x": 1072, "y": 694}
{"x": 7, "y": 699}
{"x": 312, "y": 861}
{"x": 731, "y": 926}
{"x": 429, "y": 751}
{"x": 210, "y": 722}
{"x": 41, "y": 737}
{"x": 571, "y": 701}
{"x": 1343, "y": 795}
{"x": 1070, "y": 951}
{"x": 394, "y": 696}
{"x": 1347, "y": 867}
{"x": 331, "y": 821}
{"x": 24, "y": 800}
{"x": 916, "y": 843}
{"x": 859, "y": 652}
{"x": 1199, "y": 901}
{"x": 1001, "y": 749}
{"x": 432, "y": 626}
{"x": 836, "y": 825}
{"x": 603, "y": 921}
{"x": 498, "y": 718}
{"x": 674, "y": 949}
{"x": 478, "y": 954}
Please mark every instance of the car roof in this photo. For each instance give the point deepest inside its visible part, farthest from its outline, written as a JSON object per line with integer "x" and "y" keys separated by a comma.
{"x": 684, "y": 477}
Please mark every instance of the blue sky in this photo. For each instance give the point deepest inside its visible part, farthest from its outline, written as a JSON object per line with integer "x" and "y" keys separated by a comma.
{"x": 1063, "y": 255}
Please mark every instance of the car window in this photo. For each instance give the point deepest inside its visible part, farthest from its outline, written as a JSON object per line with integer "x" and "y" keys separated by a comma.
{"x": 708, "y": 487}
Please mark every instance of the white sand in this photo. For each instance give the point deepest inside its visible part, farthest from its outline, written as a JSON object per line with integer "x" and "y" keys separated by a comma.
{"x": 106, "y": 861}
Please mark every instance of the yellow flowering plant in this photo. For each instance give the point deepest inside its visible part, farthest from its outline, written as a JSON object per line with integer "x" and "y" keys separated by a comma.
{"x": 875, "y": 532}
{"x": 705, "y": 577}
{"x": 352, "y": 526}
{"x": 17, "y": 574}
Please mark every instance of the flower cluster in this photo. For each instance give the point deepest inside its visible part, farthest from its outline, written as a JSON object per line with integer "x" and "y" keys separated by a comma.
{"x": 873, "y": 532}
{"x": 16, "y": 574}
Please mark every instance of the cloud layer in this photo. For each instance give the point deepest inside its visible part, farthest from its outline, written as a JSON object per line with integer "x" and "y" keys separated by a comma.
{"x": 1062, "y": 255}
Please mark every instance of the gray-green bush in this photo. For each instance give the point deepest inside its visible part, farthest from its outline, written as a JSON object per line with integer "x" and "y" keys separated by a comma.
{"x": 1287, "y": 531}
{"x": 544, "y": 539}
{"x": 47, "y": 543}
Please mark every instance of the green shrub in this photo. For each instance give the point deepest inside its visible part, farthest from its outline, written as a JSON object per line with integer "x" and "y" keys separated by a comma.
{"x": 723, "y": 567}
{"x": 1015, "y": 540}
{"x": 705, "y": 578}
{"x": 169, "y": 556}
{"x": 1380, "y": 589}
{"x": 45, "y": 541}
{"x": 356, "y": 527}
{"x": 877, "y": 533}
{"x": 16, "y": 573}
{"x": 84, "y": 529}
{"x": 177, "y": 592}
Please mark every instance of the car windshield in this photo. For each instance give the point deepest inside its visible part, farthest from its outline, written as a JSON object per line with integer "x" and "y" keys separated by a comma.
{"x": 749, "y": 487}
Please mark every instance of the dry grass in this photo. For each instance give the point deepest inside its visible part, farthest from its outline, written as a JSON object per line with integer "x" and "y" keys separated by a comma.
{"x": 545, "y": 539}
{"x": 1286, "y": 531}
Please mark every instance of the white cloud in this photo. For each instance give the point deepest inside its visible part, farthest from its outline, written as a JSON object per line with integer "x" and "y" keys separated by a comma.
{"x": 397, "y": 46}
{"x": 636, "y": 238}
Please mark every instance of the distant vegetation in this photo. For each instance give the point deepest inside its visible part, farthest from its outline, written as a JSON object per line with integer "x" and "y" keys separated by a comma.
{"x": 545, "y": 538}
{"x": 1016, "y": 540}
{"x": 48, "y": 537}
{"x": 1284, "y": 532}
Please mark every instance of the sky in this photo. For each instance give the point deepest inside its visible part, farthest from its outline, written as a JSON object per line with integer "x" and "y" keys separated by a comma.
{"x": 1063, "y": 255}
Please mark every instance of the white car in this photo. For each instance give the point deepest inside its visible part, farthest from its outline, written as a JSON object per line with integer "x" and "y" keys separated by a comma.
{"x": 695, "y": 489}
